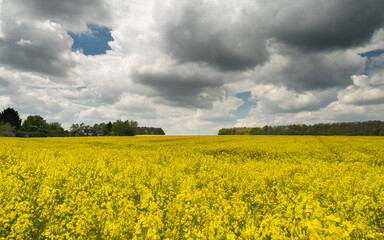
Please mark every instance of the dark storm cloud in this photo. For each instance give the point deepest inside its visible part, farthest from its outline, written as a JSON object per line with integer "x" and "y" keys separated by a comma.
{"x": 214, "y": 34}
{"x": 36, "y": 48}
{"x": 326, "y": 25}
{"x": 202, "y": 32}
{"x": 73, "y": 14}
{"x": 181, "y": 90}
{"x": 320, "y": 71}
{"x": 306, "y": 72}
{"x": 316, "y": 34}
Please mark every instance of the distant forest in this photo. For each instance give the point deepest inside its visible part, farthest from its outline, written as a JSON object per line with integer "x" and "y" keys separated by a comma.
{"x": 369, "y": 128}
{"x": 149, "y": 131}
{"x": 11, "y": 125}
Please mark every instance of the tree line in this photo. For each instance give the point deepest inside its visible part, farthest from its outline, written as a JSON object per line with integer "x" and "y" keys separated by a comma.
{"x": 11, "y": 125}
{"x": 368, "y": 128}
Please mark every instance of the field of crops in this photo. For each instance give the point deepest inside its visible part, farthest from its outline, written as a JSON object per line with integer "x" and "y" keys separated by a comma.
{"x": 192, "y": 187}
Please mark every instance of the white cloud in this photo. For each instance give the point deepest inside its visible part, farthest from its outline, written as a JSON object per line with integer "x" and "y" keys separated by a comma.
{"x": 362, "y": 92}
{"x": 5, "y": 101}
{"x": 273, "y": 99}
{"x": 221, "y": 111}
{"x": 278, "y": 106}
{"x": 24, "y": 42}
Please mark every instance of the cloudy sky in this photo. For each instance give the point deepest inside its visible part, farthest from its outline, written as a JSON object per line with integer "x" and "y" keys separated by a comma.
{"x": 196, "y": 66}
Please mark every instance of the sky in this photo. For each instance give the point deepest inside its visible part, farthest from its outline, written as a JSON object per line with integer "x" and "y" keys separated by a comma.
{"x": 193, "y": 67}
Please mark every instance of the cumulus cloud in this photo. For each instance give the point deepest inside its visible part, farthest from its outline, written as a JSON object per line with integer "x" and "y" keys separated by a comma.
{"x": 281, "y": 100}
{"x": 221, "y": 35}
{"x": 72, "y": 14}
{"x": 326, "y": 25}
{"x": 36, "y": 46}
{"x": 376, "y": 42}
{"x": 34, "y": 33}
{"x": 309, "y": 71}
{"x": 365, "y": 96}
{"x": 221, "y": 111}
{"x": 362, "y": 92}
{"x": 136, "y": 104}
{"x": 129, "y": 107}
{"x": 181, "y": 86}
{"x": 360, "y": 101}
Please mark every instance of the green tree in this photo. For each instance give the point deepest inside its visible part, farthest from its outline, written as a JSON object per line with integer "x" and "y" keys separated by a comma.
{"x": 109, "y": 126}
{"x": 381, "y": 133}
{"x": 266, "y": 129}
{"x": 12, "y": 117}
{"x": 310, "y": 131}
{"x": 105, "y": 127}
{"x": 333, "y": 131}
{"x": 35, "y": 126}
{"x": 56, "y": 130}
{"x": 77, "y": 129}
{"x": 124, "y": 128}
{"x": 6, "y": 130}
{"x": 149, "y": 131}
{"x": 256, "y": 131}
{"x": 223, "y": 131}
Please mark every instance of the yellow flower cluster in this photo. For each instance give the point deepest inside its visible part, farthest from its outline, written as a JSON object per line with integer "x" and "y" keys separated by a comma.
{"x": 192, "y": 187}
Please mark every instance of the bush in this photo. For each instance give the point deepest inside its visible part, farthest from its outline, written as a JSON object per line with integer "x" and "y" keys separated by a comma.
{"x": 31, "y": 134}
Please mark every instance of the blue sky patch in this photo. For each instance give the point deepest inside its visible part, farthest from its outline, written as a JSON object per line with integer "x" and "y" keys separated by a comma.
{"x": 243, "y": 110}
{"x": 94, "y": 41}
{"x": 81, "y": 88}
{"x": 369, "y": 66}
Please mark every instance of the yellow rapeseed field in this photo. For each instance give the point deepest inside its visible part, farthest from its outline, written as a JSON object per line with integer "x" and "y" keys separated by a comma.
{"x": 192, "y": 187}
